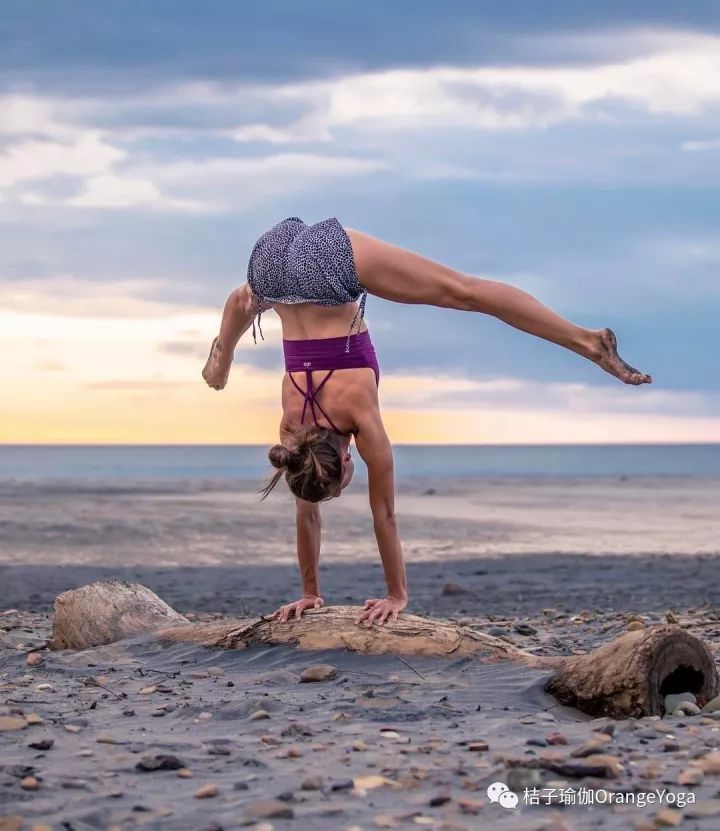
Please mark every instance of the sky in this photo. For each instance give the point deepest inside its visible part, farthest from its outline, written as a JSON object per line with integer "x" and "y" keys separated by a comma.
{"x": 572, "y": 149}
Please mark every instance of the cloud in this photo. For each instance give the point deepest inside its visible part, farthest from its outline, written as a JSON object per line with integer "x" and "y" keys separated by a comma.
{"x": 113, "y": 191}
{"x": 40, "y": 159}
{"x": 411, "y": 392}
{"x": 239, "y": 184}
{"x": 674, "y": 76}
{"x": 701, "y": 146}
{"x": 119, "y": 152}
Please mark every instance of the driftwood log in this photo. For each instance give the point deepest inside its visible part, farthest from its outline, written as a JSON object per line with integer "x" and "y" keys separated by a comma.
{"x": 629, "y": 676}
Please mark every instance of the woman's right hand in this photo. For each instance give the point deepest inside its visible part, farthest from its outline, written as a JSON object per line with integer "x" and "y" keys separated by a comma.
{"x": 297, "y": 608}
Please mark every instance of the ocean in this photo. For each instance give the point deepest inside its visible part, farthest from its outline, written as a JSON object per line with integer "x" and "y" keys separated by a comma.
{"x": 45, "y": 463}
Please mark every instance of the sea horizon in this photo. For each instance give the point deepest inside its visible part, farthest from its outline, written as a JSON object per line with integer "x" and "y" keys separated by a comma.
{"x": 144, "y": 462}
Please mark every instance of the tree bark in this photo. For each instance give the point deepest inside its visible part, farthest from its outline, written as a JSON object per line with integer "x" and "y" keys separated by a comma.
{"x": 627, "y": 677}
{"x": 632, "y": 674}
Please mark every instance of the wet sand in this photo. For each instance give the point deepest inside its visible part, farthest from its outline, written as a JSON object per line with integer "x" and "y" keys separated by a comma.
{"x": 386, "y": 743}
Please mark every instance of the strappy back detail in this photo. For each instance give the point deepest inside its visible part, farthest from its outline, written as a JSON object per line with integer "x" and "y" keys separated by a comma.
{"x": 310, "y": 394}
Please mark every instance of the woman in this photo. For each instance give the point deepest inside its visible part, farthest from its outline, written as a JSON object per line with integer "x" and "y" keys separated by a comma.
{"x": 312, "y": 275}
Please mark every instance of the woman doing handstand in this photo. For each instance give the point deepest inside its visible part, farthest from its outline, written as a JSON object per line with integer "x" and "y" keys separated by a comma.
{"x": 313, "y": 276}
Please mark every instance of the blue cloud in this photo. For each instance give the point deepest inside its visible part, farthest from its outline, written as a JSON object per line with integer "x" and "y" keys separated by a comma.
{"x": 82, "y": 44}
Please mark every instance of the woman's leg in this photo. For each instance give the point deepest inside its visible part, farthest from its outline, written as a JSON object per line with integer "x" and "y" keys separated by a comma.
{"x": 397, "y": 274}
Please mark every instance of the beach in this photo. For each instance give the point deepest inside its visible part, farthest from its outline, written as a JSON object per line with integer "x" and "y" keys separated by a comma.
{"x": 557, "y": 564}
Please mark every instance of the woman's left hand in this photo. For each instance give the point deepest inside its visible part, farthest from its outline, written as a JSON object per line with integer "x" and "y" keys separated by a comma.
{"x": 380, "y": 609}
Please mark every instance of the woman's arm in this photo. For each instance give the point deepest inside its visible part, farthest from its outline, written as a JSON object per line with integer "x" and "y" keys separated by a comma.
{"x": 373, "y": 445}
{"x": 309, "y": 526}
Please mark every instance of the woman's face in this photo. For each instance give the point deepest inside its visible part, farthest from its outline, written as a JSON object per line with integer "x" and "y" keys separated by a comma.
{"x": 348, "y": 470}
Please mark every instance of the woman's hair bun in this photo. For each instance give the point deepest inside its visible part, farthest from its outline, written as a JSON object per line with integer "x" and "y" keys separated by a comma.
{"x": 278, "y": 456}
{"x": 282, "y": 457}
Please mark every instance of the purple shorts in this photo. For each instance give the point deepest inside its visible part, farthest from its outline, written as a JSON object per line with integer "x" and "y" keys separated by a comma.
{"x": 331, "y": 353}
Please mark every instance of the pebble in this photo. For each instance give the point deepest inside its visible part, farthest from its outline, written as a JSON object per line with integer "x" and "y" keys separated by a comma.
{"x": 184, "y": 773}
{"x": 73, "y": 728}
{"x": 11, "y": 823}
{"x": 359, "y": 745}
{"x": 520, "y": 778}
{"x": 44, "y": 688}
{"x": 41, "y": 744}
{"x": 8, "y": 723}
{"x": 635, "y": 625}
{"x": 270, "y": 809}
{"x": 691, "y": 776}
{"x": 668, "y": 818}
{"x": 589, "y": 748}
{"x": 296, "y": 728}
{"x": 687, "y": 708}
{"x": 313, "y": 783}
{"x": 34, "y": 659}
{"x": 450, "y": 589}
{"x": 525, "y": 629}
{"x": 706, "y": 808}
{"x": 219, "y": 750}
{"x": 709, "y": 764}
{"x": 556, "y": 738}
{"x": 33, "y": 718}
{"x": 160, "y": 761}
{"x": 712, "y": 706}
{"x": 29, "y": 783}
{"x": 206, "y": 792}
{"x": 673, "y": 701}
{"x": 439, "y": 800}
{"x": 478, "y": 747}
{"x": 470, "y": 806}
{"x": 601, "y": 765}
{"x": 259, "y": 715}
{"x": 319, "y": 672}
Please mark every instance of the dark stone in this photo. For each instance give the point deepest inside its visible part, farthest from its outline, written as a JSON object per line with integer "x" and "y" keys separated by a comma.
{"x": 437, "y": 801}
{"x": 42, "y": 744}
{"x": 161, "y": 761}
{"x": 297, "y": 729}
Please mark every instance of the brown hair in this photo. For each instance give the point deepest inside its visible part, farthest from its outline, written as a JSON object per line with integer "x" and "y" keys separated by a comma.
{"x": 311, "y": 461}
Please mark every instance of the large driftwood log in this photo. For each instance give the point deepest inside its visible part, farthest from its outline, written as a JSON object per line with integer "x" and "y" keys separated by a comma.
{"x": 631, "y": 675}
{"x": 627, "y": 677}
{"x": 109, "y": 610}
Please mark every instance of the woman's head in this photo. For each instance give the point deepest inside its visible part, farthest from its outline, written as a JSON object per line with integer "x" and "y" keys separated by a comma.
{"x": 316, "y": 463}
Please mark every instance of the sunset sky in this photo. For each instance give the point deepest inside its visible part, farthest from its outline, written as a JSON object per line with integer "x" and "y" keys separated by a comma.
{"x": 571, "y": 149}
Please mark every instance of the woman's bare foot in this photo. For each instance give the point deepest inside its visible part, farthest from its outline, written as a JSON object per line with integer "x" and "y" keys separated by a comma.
{"x": 605, "y": 355}
{"x": 217, "y": 368}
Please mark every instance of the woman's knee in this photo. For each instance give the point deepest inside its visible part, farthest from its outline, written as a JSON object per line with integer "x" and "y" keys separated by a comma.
{"x": 465, "y": 293}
